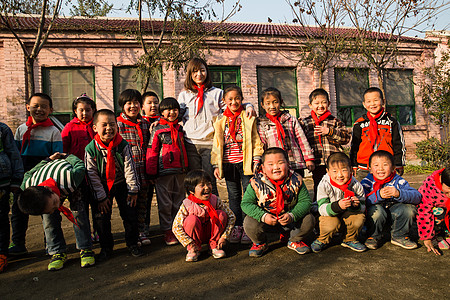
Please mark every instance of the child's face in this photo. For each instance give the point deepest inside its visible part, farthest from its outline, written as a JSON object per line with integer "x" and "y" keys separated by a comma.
{"x": 233, "y": 100}
{"x": 275, "y": 166}
{"x": 373, "y": 103}
{"x": 39, "y": 109}
{"x": 170, "y": 114}
{"x": 150, "y": 106}
{"x": 106, "y": 127}
{"x": 199, "y": 76}
{"x": 319, "y": 105}
{"x": 271, "y": 105}
{"x": 203, "y": 190}
{"x": 446, "y": 190}
{"x": 381, "y": 167}
{"x": 132, "y": 109}
{"x": 339, "y": 172}
{"x": 84, "y": 112}
{"x": 53, "y": 203}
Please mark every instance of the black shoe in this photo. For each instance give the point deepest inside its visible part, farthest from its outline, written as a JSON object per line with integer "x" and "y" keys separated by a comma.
{"x": 136, "y": 251}
{"x": 104, "y": 255}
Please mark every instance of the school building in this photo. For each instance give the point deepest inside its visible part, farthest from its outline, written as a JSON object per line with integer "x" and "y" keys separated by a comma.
{"x": 98, "y": 57}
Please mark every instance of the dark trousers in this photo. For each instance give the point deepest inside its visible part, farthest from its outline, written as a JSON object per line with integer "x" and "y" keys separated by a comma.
{"x": 317, "y": 176}
{"x": 199, "y": 157}
{"x": 236, "y": 183}
{"x": 4, "y": 220}
{"x": 151, "y": 189}
{"x": 127, "y": 213}
{"x": 19, "y": 223}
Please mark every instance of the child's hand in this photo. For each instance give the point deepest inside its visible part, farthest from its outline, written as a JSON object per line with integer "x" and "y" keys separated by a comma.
{"x": 131, "y": 200}
{"x": 105, "y": 206}
{"x": 57, "y": 155}
{"x": 270, "y": 220}
{"x": 310, "y": 165}
{"x": 285, "y": 219}
{"x": 221, "y": 243}
{"x": 389, "y": 192}
{"x": 345, "y": 203}
{"x": 355, "y": 201}
{"x": 430, "y": 247}
{"x": 250, "y": 111}
{"x": 217, "y": 173}
{"x": 321, "y": 130}
{"x": 153, "y": 125}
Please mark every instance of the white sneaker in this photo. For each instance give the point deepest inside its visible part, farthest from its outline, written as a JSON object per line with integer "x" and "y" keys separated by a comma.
{"x": 236, "y": 234}
{"x": 143, "y": 239}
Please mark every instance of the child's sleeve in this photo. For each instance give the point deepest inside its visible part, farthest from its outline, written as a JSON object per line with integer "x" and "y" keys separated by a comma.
{"x": 360, "y": 194}
{"x": 130, "y": 171}
{"x": 339, "y": 133}
{"x": 250, "y": 206}
{"x": 354, "y": 147}
{"x": 373, "y": 198}
{"x": 398, "y": 144}
{"x": 78, "y": 170}
{"x": 408, "y": 194}
{"x": 308, "y": 153}
{"x": 257, "y": 145}
{"x": 93, "y": 175}
{"x": 262, "y": 133}
{"x": 18, "y": 138}
{"x": 178, "y": 229}
{"x": 57, "y": 144}
{"x": 326, "y": 207}
{"x": 152, "y": 156}
{"x": 215, "y": 150}
{"x": 10, "y": 148}
{"x": 28, "y": 175}
{"x": 230, "y": 220}
{"x": 425, "y": 218}
{"x": 303, "y": 205}
{"x": 66, "y": 140}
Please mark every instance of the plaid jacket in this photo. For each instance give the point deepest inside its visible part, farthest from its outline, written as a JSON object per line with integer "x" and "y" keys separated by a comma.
{"x": 296, "y": 145}
{"x": 332, "y": 142}
{"x": 130, "y": 134}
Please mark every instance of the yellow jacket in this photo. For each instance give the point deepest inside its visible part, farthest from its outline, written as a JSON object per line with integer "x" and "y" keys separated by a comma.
{"x": 251, "y": 145}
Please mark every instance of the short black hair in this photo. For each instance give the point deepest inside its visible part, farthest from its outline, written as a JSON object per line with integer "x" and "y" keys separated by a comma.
{"x": 129, "y": 95}
{"x": 103, "y": 112}
{"x": 43, "y": 96}
{"x": 168, "y": 103}
{"x": 195, "y": 177}
{"x": 338, "y": 157}
{"x": 83, "y": 99}
{"x": 445, "y": 177}
{"x": 149, "y": 94}
{"x": 33, "y": 200}
{"x": 318, "y": 92}
{"x": 271, "y": 91}
{"x": 373, "y": 90}
{"x": 274, "y": 150}
{"x": 233, "y": 88}
{"x": 382, "y": 153}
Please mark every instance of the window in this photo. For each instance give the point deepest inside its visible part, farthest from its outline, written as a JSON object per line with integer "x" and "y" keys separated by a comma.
{"x": 126, "y": 78}
{"x": 350, "y": 85}
{"x": 399, "y": 89}
{"x": 223, "y": 77}
{"x": 283, "y": 79}
{"x": 66, "y": 84}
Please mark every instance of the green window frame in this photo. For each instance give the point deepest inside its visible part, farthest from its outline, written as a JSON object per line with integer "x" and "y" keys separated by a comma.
{"x": 65, "y": 84}
{"x": 285, "y": 80}
{"x": 125, "y": 77}
{"x": 225, "y": 76}
{"x": 399, "y": 89}
{"x": 350, "y": 84}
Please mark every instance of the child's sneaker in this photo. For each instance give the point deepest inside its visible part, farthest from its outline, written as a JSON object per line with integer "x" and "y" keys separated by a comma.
{"x": 442, "y": 243}
{"x": 57, "y": 262}
{"x": 236, "y": 234}
{"x": 136, "y": 251}
{"x": 317, "y": 246}
{"x": 94, "y": 237}
{"x": 104, "y": 255}
{"x": 299, "y": 247}
{"x": 170, "y": 238}
{"x": 218, "y": 253}
{"x": 192, "y": 255}
{"x": 3, "y": 262}
{"x": 87, "y": 258}
{"x": 371, "y": 243}
{"x": 355, "y": 246}
{"x": 404, "y": 242}
{"x": 17, "y": 250}
{"x": 257, "y": 250}
{"x": 245, "y": 240}
{"x": 143, "y": 239}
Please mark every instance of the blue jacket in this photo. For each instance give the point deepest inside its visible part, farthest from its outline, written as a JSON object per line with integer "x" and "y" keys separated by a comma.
{"x": 408, "y": 194}
{"x": 11, "y": 167}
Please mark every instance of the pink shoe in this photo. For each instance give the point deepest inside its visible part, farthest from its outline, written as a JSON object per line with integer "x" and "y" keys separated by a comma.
{"x": 236, "y": 234}
{"x": 193, "y": 253}
{"x": 170, "y": 238}
{"x": 245, "y": 240}
{"x": 442, "y": 243}
{"x": 218, "y": 253}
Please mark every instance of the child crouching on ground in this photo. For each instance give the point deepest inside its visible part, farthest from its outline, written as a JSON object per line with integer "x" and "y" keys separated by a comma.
{"x": 389, "y": 194}
{"x": 277, "y": 200}
{"x": 340, "y": 198}
{"x": 202, "y": 217}
{"x": 433, "y": 219}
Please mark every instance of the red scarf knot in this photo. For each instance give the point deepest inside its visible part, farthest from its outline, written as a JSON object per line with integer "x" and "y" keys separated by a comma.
{"x": 344, "y": 187}
{"x": 373, "y": 128}
{"x": 318, "y": 120}
{"x": 280, "y": 130}
{"x": 88, "y": 127}
{"x": 199, "y": 99}
{"x": 279, "y": 195}
{"x": 110, "y": 162}
{"x": 137, "y": 125}
{"x": 173, "y": 130}
{"x": 209, "y": 208}
{"x": 27, "y": 135}
{"x": 232, "y": 117}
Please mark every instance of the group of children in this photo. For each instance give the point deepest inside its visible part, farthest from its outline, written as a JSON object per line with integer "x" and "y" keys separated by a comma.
{"x": 98, "y": 157}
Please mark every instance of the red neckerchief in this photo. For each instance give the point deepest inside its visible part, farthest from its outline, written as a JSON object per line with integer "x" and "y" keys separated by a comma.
{"x": 379, "y": 184}
{"x": 149, "y": 118}
{"x": 110, "y": 162}
{"x": 438, "y": 183}
{"x": 279, "y": 192}
{"x": 209, "y": 208}
{"x": 344, "y": 187}
{"x": 173, "y": 130}
{"x": 373, "y": 128}
{"x": 88, "y": 127}
{"x": 201, "y": 91}
{"x": 51, "y": 183}
{"x": 280, "y": 130}
{"x": 27, "y": 135}
{"x": 137, "y": 125}
{"x": 233, "y": 117}
{"x": 317, "y": 121}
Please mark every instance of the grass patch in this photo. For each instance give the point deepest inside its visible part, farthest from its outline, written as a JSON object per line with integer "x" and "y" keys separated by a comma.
{"x": 415, "y": 169}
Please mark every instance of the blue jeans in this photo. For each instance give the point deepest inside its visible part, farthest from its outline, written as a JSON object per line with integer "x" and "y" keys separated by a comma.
{"x": 402, "y": 216}
{"x": 236, "y": 183}
{"x": 199, "y": 157}
{"x": 4, "y": 220}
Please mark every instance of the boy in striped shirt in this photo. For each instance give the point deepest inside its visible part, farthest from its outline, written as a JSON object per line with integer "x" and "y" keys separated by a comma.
{"x": 44, "y": 186}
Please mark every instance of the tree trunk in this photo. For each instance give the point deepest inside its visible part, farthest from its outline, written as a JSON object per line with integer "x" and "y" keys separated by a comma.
{"x": 29, "y": 70}
{"x": 320, "y": 78}
{"x": 380, "y": 83}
